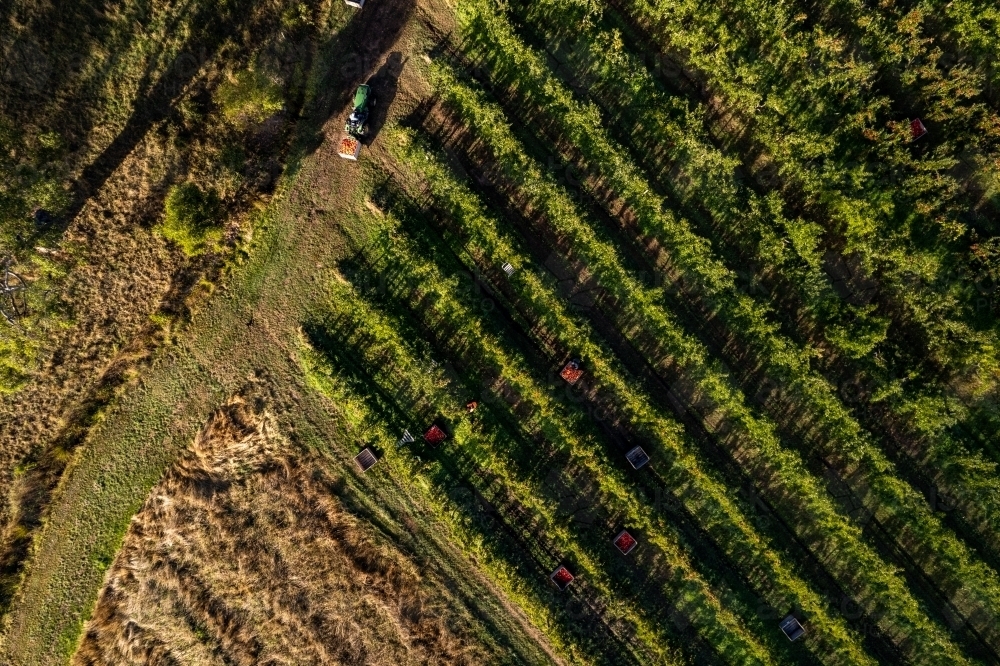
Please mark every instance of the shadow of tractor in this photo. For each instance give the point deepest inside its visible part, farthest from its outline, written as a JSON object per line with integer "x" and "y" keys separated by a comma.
{"x": 385, "y": 87}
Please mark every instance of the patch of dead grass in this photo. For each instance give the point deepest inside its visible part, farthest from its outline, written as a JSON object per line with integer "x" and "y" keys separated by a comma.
{"x": 243, "y": 554}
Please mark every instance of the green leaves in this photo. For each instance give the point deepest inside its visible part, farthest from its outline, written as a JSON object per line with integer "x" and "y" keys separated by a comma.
{"x": 639, "y": 304}
{"x": 248, "y": 98}
{"x": 706, "y": 498}
{"x": 190, "y": 218}
{"x": 836, "y": 433}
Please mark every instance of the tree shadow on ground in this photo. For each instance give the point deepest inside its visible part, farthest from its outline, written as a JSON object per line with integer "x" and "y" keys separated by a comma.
{"x": 339, "y": 64}
{"x": 157, "y": 103}
{"x": 385, "y": 86}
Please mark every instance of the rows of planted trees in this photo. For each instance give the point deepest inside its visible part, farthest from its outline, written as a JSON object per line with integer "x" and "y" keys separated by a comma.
{"x": 537, "y": 303}
{"x": 912, "y": 417}
{"x": 914, "y": 215}
{"x": 659, "y": 336}
{"x": 605, "y": 264}
{"x": 753, "y": 224}
{"x": 375, "y": 416}
{"x": 816, "y": 104}
{"x": 508, "y": 443}
{"x": 503, "y": 161}
{"x": 785, "y": 255}
{"x": 830, "y": 429}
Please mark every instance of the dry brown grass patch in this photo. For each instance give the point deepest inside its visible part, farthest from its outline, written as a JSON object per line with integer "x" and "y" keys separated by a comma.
{"x": 243, "y": 554}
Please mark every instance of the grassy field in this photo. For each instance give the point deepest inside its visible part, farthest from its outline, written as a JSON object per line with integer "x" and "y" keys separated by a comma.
{"x": 138, "y": 103}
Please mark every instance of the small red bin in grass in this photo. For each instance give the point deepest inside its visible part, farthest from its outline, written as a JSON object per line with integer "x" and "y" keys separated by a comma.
{"x": 571, "y": 372}
{"x": 562, "y": 577}
{"x": 625, "y": 543}
{"x": 917, "y": 129}
{"x": 435, "y": 435}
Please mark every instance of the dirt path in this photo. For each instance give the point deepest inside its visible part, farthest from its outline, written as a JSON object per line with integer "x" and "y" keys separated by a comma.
{"x": 247, "y": 332}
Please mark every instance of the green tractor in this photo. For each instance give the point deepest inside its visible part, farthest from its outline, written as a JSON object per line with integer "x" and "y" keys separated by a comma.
{"x": 357, "y": 122}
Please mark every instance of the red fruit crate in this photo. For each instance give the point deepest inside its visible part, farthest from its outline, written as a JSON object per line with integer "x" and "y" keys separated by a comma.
{"x": 366, "y": 459}
{"x": 349, "y": 148}
{"x": 625, "y": 543}
{"x": 917, "y": 129}
{"x": 562, "y": 577}
{"x": 571, "y": 372}
{"x": 435, "y": 435}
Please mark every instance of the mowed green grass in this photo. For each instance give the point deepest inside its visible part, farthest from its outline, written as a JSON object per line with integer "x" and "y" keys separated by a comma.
{"x": 246, "y": 333}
